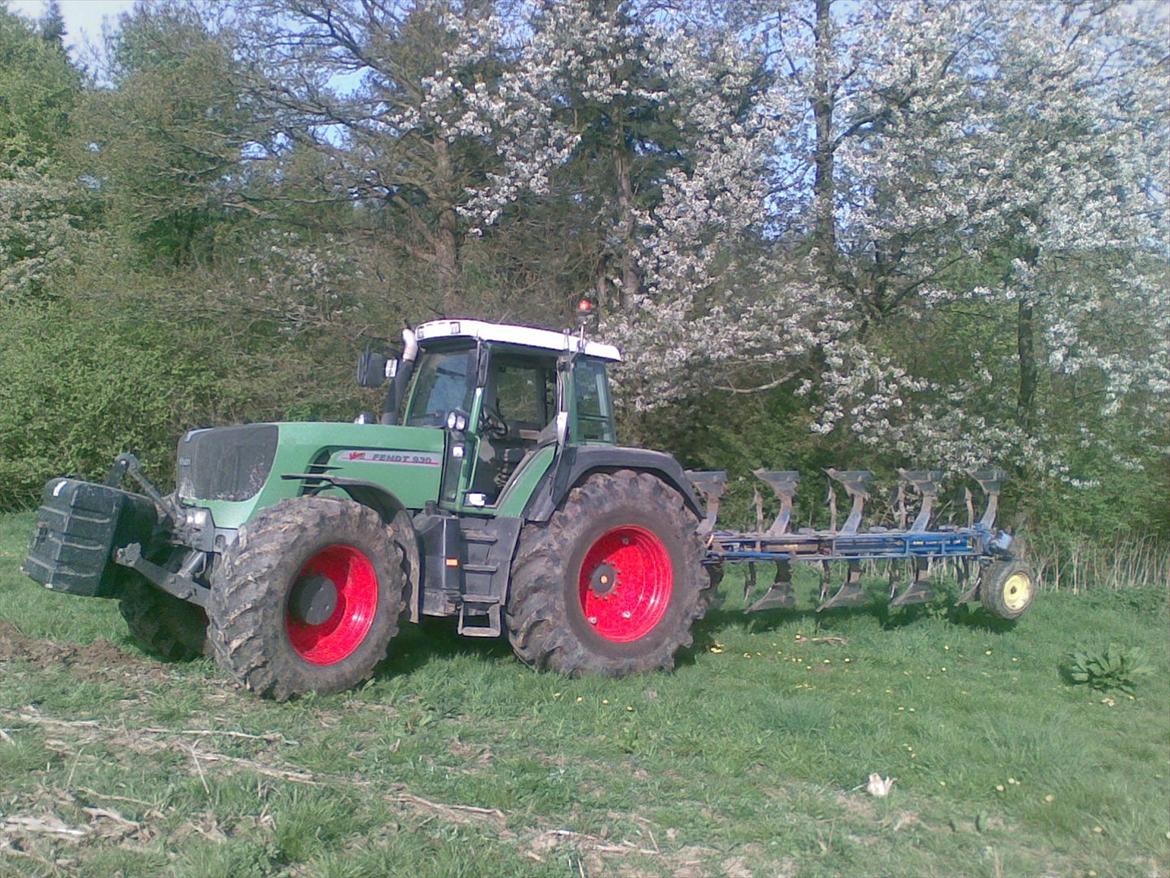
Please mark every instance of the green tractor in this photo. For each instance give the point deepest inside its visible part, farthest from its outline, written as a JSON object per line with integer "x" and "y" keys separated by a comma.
{"x": 491, "y": 489}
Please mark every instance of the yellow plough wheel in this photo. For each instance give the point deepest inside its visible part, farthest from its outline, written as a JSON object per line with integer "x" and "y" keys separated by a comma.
{"x": 1007, "y": 589}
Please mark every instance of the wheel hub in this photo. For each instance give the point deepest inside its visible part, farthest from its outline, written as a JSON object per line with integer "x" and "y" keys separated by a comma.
{"x": 313, "y": 599}
{"x": 332, "y": 604}
{"x": 625, "y": 583}
{"x": 604, "y": 580}
{"x": 1017, "y": 591}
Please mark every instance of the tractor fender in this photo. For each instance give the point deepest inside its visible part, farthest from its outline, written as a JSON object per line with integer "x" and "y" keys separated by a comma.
{"x": 578, "y": 462}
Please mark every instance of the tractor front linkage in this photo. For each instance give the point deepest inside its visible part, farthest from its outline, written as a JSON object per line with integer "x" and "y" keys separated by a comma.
{"x": 1003, "y": 583}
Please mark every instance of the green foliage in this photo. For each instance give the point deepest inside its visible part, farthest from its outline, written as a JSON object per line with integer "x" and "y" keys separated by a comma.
{"x": 1115, "y": 667}
{"x": 166, "y": 145}
{"x": 80, "y": 387}
{"x": 42, "y": 231}
{"x": 177, "y": 250}
{"x": 38, "y": 87}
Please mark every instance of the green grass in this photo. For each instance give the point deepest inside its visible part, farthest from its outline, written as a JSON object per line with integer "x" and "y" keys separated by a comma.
{"x": 457, "y": 760}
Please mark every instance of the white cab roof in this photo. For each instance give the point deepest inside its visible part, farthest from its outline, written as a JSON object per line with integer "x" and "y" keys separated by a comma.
{"x": 507, "y": 333}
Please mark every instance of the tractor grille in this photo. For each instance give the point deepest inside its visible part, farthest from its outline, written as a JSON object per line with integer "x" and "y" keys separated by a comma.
{"x": 227, "y": 463}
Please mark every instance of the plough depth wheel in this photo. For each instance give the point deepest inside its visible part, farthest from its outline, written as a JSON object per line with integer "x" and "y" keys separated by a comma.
{"x": 1007, "y": 589}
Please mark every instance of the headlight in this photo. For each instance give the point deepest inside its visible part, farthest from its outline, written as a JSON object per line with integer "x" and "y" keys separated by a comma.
{"x": 197, "y": 518}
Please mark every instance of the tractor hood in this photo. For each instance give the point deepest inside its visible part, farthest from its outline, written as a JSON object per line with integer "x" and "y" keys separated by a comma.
{"x": 234, "y": 471}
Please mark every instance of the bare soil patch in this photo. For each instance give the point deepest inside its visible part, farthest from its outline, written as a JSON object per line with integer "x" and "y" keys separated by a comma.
{"x": 100, "y": 660}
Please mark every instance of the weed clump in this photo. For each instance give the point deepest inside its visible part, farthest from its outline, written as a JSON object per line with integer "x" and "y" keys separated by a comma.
{"x": 1115, "y": 668}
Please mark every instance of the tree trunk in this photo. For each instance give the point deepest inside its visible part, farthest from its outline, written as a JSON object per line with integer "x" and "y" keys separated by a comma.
{"x": 1026, "y": 353}
{"x": 825, "y": 228}
{"x": 445, "y": 240}
{"x": 446, "y": 246}
{"x": 631, "y": 282}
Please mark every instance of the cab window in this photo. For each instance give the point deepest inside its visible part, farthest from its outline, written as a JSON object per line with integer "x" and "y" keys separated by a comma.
{"x": 443, "y": 380}
{"x": 594, "y": 413}
{"x": 525, "y": 392}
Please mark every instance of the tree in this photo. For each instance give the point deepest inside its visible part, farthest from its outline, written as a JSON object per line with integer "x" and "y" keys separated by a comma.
{"x": 38, "y": 88}
{"x": 656, "y": 145}
{"x": 169, "y": 143}
{"x": 52, "y": 25}
{"x": 40, "y": 212}
{"x": 996, "y": 170}
{"x": 381, "y": 91}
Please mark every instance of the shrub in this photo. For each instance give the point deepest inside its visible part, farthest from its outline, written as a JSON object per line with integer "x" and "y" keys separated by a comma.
{"x": 1114, "y": 668}
{"x": 78, "y": 389}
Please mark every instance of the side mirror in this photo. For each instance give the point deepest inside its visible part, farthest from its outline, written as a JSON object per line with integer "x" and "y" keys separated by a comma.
{"x": 373, "y": 369}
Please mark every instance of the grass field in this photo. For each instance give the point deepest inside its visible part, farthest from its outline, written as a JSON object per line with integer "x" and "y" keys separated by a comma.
{"x": 455, "y": 759}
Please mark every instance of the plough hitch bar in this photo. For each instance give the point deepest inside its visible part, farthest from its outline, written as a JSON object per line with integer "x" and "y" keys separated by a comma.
{"x": 909, "y": 551}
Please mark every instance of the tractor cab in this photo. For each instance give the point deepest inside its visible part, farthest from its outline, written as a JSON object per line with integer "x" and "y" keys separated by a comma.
{"x": 506, "y": 395}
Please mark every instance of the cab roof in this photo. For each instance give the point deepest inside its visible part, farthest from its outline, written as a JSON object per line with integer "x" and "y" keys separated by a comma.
{"x": 508, "y": 333}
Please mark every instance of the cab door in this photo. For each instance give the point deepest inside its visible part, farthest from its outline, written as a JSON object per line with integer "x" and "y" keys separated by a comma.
{"x": 517, "y": 411}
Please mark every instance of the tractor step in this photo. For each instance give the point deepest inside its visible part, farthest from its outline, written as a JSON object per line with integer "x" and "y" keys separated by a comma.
{"x": 479, "y": 617}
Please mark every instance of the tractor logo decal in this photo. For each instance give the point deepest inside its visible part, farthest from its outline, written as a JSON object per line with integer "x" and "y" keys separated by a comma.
{"x": 402, "y": 458}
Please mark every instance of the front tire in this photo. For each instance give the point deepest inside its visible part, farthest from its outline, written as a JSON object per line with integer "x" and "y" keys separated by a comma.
{"x": 163, "y": 625}
{"x": 612, "y": 583}
{"x": 307, "y": 599}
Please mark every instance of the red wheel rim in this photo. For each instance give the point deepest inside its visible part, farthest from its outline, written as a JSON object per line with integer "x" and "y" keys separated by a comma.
{"x": 356, "y": 582}
{"x": 625, "y": 583}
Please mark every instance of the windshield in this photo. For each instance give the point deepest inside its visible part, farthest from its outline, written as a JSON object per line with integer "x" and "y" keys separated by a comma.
{"x": 444, "y": 380}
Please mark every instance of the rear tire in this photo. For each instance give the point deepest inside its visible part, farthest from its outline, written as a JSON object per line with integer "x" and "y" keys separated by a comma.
{"x": 612, "y": 583}
{"x": 163, "y": 625}
{"x": 1007, "y": 589}
{"x": 307, "y": 599}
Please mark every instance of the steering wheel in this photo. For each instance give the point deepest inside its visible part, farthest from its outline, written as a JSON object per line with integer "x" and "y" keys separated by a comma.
{"x": 493, "y": 423}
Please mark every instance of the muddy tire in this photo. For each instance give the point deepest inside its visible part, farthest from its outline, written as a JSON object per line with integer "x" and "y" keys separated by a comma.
{"x": 612, "y": 583}
{"x": 163, "y": 625}
{"x": 307, "y": 599}
{"x": 1007, "y": 589}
